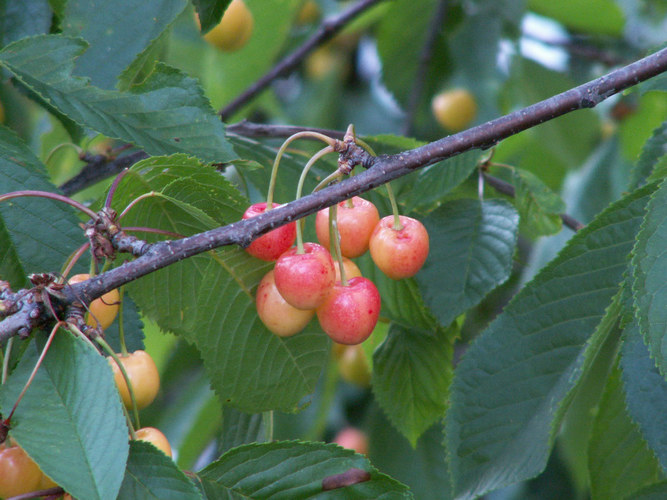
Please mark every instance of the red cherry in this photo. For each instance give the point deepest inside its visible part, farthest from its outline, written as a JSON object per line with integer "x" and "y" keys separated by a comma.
{"x": 349, "y": 313}
{"x": 355, "y": 225}
{"x": 278, "y": 316}
{"x": 271, "y": 245}
{"x": 304, "y": 280}
{"x": 399, "y": 253}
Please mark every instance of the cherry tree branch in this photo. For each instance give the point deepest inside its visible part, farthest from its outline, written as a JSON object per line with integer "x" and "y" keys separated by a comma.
{"x": 380, "y": 170}
{"x": 326, "y": 31}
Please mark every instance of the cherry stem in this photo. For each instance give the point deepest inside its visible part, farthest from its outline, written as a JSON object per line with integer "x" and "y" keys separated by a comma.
{"x": 328, "y": 180}
{"x": 279, "y": 155}
{"x": 121, "y": 325}
{"x": 5, "y": 360}
{"x": 394, "y": 208}
{"x": 61, "y": 146}
{"x": 334, "y": 242}
{"x": 114, "y": 186}
{"x": 299, "y": 190}
{"x": 34, "y": 370}
{"x": 267, "y": 419}
{"x": 121, "y": 367}
{"x": 51, "y": 196}
{"x": 150, "y": 194}
{"x": 73, "y": 259}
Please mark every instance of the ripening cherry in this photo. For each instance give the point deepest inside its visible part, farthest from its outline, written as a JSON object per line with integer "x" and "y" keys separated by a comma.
{"x": 399, "y": 253}
{"x": 356, "y": 220}
{"x": 156, "y": 438}
{"x": 103, "y": 309}
{"x": 454, "y": 109}
{"x": 277, "y": 315}
{"x": 273, "y": 244}
{"x": 234, "y": 29}
{"x": 352, "y": 439}
{"x": 353, "y": 366}
{"x": 143, "y": 375}
{"x": 305, "y": 280}
{"x": 349, "y": 313}
{"x": 18, "y": 473}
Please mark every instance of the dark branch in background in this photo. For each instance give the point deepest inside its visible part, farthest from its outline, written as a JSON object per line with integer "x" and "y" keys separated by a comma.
{"x": 508, "y": 189}
{"x": 99, "y": 167}
{"x": 326, "y": 31}
{"x": 425, "y": 57}
{"x": 380, "y": 170}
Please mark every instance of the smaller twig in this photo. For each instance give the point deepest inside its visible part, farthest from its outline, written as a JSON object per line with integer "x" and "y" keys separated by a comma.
{"x": 506, "y": 188}
{"x": 50, "y": 196}
{"x": 54, "y": 492}
{"x": 435, "y": 26}
{"x": 99, "y": 167}
{"x": 326, "y": 31}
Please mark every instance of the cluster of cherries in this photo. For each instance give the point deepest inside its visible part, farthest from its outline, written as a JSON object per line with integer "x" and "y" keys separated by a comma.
{"x": 306, "y": 280}
{"x": 19, "y": 474}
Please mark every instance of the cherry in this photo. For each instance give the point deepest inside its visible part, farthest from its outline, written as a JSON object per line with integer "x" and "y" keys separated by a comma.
{"x": 143, "y": 376}
{"x": 349, "y": 313}
{"x": 454, "y": 109}
{"x": 353, "y": 366}
{"x": 355, "y": 225}
{"x": 280, "y": 317}
{"x": 156, "y": 438}
{"x": 103, "y": 309}
{"x": 351, "y": 269}
{"x": 305, "y": 279}
{"x": 399, "y": 253}
{"x": 273, "y": 244}
{"x": 352, "y": 439}
{"x": 18, "y": 473}
{"x": 234, "y": 29}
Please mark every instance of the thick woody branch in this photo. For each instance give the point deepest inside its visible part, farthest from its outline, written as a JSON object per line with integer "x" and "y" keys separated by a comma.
{"x": 380, "y": 171}
{"x": 326, "y": 31}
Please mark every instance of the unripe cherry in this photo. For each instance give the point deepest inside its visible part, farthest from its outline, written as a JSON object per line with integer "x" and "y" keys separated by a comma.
{"x": 143, "y": 375}
{"x": 277, "y": 315}
{"x": 273, "y": 244}
{"x": 351, "y": 269}
{"x": 399, "y": 253}
{"x": 104, "y": 309}
{"x": 156, "y": 438}
{"x": 18, "y": 473}
{"x": 305, "y": 280}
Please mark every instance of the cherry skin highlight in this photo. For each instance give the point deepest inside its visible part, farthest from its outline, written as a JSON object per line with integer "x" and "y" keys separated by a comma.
{"x": 349, "y": 314}
{"x": 355, "y": 225}
{"x": 305, "y": 280}
{"x": 399, "y": 253}
{"x": 273, "y": 244}
{"x": 277, "y": 315}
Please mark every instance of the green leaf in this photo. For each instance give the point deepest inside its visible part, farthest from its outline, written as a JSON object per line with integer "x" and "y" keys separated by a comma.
{"x": 240, "y": 428}
{"x": 400, "y": 45}
{"x": 539, "y": 207}
{"x": 656, "y": 491}
{"x": 210, "y": 296}
{"x": 434, "y": 182}
{"x": 652, "y": 152}
{"x": 166, "y": 114}
{"x": 210, "y": 12}
{"x": 70, "y": 420}
{"x": 645, "y": 392}
{"x": 602, "y": 17}
{"x": 509, "y": 388}
{"x": 650, "y": 268}
{"x": 293, "y": 470}
{"x": 619, "y": 460}
{"x": 10, "y": 264}
{"x": 412, "y": 371}
{"x": 471, "y": 249}
{"x": 121, "y": 39}
{"x": 151, "y": 474}
{"x": 23, "y": 19}
{"x": 39, "y": 232}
